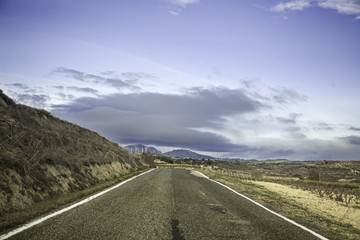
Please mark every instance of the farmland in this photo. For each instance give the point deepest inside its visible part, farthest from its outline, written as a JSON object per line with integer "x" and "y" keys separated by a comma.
{"x": 324, "y": 195}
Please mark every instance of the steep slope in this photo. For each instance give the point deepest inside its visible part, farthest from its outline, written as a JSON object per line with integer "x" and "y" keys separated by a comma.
{"x": 42, "y": 156}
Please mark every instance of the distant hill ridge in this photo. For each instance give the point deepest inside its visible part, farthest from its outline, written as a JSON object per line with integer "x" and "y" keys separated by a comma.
{"x": 181, "y": 153}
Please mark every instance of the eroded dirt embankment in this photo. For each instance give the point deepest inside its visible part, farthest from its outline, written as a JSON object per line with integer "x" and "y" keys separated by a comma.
{"x": 20, "y": 192}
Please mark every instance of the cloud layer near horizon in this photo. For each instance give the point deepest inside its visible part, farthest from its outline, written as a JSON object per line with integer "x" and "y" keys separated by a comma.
{"x": 227, "y": 122}
{"x": 246, "y": 122}
{"x": 163, "y": 119}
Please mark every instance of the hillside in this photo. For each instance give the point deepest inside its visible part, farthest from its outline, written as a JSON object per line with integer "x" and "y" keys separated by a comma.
{"x": 181, "y": 153}
{"x": 42, "y": 156}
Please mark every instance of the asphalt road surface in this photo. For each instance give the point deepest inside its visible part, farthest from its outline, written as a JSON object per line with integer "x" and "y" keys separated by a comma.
{"x": 167, "y": 204}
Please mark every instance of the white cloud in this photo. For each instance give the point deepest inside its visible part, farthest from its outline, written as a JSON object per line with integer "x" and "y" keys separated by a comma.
{"x": 183, "y": 3}
{"x": 347, "y": 7}
{"x": 180, "y": 5}
{"x": 174, "y": 12}
{"x": 292, "y": 5}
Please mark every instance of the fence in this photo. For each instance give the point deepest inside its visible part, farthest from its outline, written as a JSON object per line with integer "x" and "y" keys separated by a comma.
{"x": 237, "y": 174}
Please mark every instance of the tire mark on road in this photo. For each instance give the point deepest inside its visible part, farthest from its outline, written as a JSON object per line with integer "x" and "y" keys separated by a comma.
{"x": 176, "y": 232}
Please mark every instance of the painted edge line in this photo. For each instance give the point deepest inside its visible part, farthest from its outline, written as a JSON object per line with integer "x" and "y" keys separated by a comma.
{"x": 40, "y": 220}
{"x": 271, "y": 211}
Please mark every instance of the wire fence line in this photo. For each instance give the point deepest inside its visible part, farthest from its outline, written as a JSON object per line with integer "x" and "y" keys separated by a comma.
{"x": 237, "y": 174}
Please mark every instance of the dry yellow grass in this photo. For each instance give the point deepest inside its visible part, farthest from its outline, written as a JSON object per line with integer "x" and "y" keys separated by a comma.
{"x": 327, "y": 217}
{"x": 321, "y": 206}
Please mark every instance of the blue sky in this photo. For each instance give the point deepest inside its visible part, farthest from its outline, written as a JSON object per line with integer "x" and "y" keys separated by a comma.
{"x": 249, "y": 79}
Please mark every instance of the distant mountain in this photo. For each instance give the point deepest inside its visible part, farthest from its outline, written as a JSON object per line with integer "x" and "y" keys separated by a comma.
{"x": 179, "y": 153}
{"x": 140, "y": 148}
{"x": 182, "y": 153}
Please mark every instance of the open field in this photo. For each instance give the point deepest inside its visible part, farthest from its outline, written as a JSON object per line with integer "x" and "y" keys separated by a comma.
{"x": 326, "y": 216}
{"x": 327, "y": 171}
{"x": 321, "y": 195}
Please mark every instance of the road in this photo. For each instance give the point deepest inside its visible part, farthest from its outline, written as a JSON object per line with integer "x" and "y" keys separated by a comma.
{"x": 167, "y": 204}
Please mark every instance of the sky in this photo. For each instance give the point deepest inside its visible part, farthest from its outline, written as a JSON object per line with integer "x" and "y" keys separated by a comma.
{"x": 243, "y": 79}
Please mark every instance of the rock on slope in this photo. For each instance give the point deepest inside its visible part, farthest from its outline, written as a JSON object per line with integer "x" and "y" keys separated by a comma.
{"x": 42, "y": 156}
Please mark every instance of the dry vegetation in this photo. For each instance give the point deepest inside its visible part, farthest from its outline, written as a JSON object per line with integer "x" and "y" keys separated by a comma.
{"x": 329, "y": 205}
{"x": 338, "y": 181}
{"x": 333, "y": 219}
{"x": 337, "y": 211}
{"x": 323, "y": 195}
{"x": 43, "y": 157}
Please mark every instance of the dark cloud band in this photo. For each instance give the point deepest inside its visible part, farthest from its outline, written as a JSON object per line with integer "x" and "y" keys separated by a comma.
{"x": 162, "y": 119}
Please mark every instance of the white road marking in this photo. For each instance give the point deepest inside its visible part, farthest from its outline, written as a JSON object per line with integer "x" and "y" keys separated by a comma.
{"x": 31, "y": 224}
{"x": 285, "y": 218}
{"x": 198, "y": 174}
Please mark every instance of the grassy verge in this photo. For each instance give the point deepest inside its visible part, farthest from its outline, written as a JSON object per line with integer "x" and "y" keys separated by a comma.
{"x": 12, "y": 220}
{"x": 328, "y": 226}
